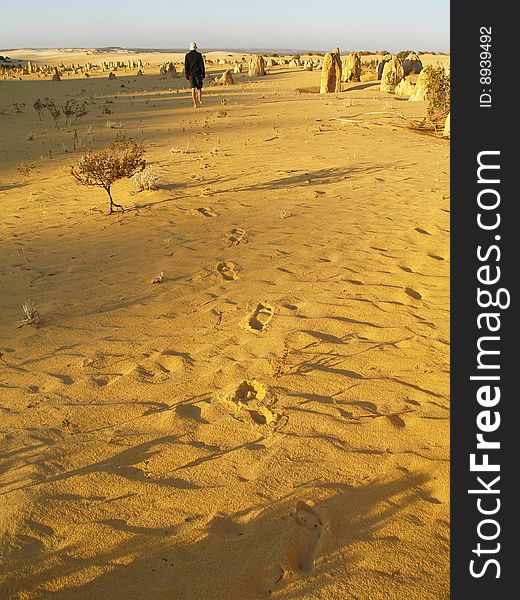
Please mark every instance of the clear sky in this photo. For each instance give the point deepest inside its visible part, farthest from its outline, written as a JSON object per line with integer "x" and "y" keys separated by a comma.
{"x": 285, "y": 24}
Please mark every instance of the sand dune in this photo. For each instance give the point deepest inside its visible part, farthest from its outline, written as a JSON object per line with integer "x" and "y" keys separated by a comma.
{"x": 269, "y": 421}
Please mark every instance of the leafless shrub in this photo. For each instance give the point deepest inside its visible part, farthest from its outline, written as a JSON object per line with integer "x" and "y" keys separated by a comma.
{"x": 26, "y": 168}
{"x": 54, "y": 111}
{"x": 145, "y": 180}
{"x": 73, "y": 111}
{"x": 122, "y": 159}
{"x": 39, "y": 107}
{"x": 32, "y": 316}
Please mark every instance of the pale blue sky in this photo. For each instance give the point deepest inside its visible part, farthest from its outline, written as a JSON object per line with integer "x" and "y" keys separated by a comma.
{"x": 288, "y": 24}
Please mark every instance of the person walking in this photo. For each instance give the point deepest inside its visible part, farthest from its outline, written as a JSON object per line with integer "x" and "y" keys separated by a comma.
{"x": 195, "y": 72}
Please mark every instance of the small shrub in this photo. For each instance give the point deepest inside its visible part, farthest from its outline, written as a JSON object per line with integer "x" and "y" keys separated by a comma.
{"x": 66, "y": 423}
{"x": 26, "y": 168}
{"x": 54, "y": 111}
{"x": 72, "y": 110}
{"x": 145, "y": 468}
{"x": 32, "y": 316}
{"x": 122, "y": 159}
{"x": 145, "y": 180}
{"x": 437, "y": 95}
{"x": 39, "y": 107}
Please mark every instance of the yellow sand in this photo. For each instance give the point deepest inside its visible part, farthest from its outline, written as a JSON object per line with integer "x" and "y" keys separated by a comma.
{"x": 270, "y": 421}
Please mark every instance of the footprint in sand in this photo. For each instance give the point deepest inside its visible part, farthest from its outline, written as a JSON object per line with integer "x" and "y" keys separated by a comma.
{"x": 236, "y": 236}
{"x": 205, "y": 212}
{"x": 300, "y": 542}
{"x": 227, "y": 270}
{"x": 260, "y": 318}
{"x": 249, "y": 399}
{"x": 151, "y": 374}
{"x": 169, "y": 363}
{"x": 248, "y": 391}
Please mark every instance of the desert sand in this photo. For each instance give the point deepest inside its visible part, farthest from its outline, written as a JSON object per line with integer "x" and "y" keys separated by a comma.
{"x": 271, "y": 420}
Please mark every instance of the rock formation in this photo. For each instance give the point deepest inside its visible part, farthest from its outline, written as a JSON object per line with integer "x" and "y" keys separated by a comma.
{"x": 392, "y": 74}
{"x": 256, "y": 66}
{"x": 351, "y": 70}
{"x": 237, "y": 68}
{"x": 419, "y": 92}
{"x": 171, "y": 72}
{"x": 111, "y": 75}
{"x": 56, "y": 75}
{"x": 381, "y": 65}
{"x": 406, "y": 86}
{"x": 446, "y": 132}
{"x": 412, "y": 64}
{"x": 225, "y": 79}
{"x": 331, "y": 73}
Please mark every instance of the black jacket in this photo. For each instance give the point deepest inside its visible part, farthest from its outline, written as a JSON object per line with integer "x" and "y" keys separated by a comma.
{"x": 194, "y": 64}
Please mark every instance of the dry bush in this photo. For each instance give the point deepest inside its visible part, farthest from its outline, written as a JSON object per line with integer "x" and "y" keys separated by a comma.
{"x": 26, "y": 168}
{"x": 121, "y": 160}
{"x": 39, "y": 107}
{"x": 73, "y": 111}
{"x": 32, "y": 316}
{"x": 145, "y": 180}
{"x": 437, "y": 95}
{"x": 54, "y": 111}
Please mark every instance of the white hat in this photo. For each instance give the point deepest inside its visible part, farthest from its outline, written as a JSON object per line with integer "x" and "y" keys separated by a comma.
{"x": 193, "y": 46}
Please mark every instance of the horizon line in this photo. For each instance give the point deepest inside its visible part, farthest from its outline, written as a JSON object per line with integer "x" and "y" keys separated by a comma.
{"x": 209, "y": 49}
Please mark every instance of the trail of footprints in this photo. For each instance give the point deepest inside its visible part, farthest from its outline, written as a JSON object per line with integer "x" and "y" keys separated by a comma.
{"x": 155, "y": 368}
